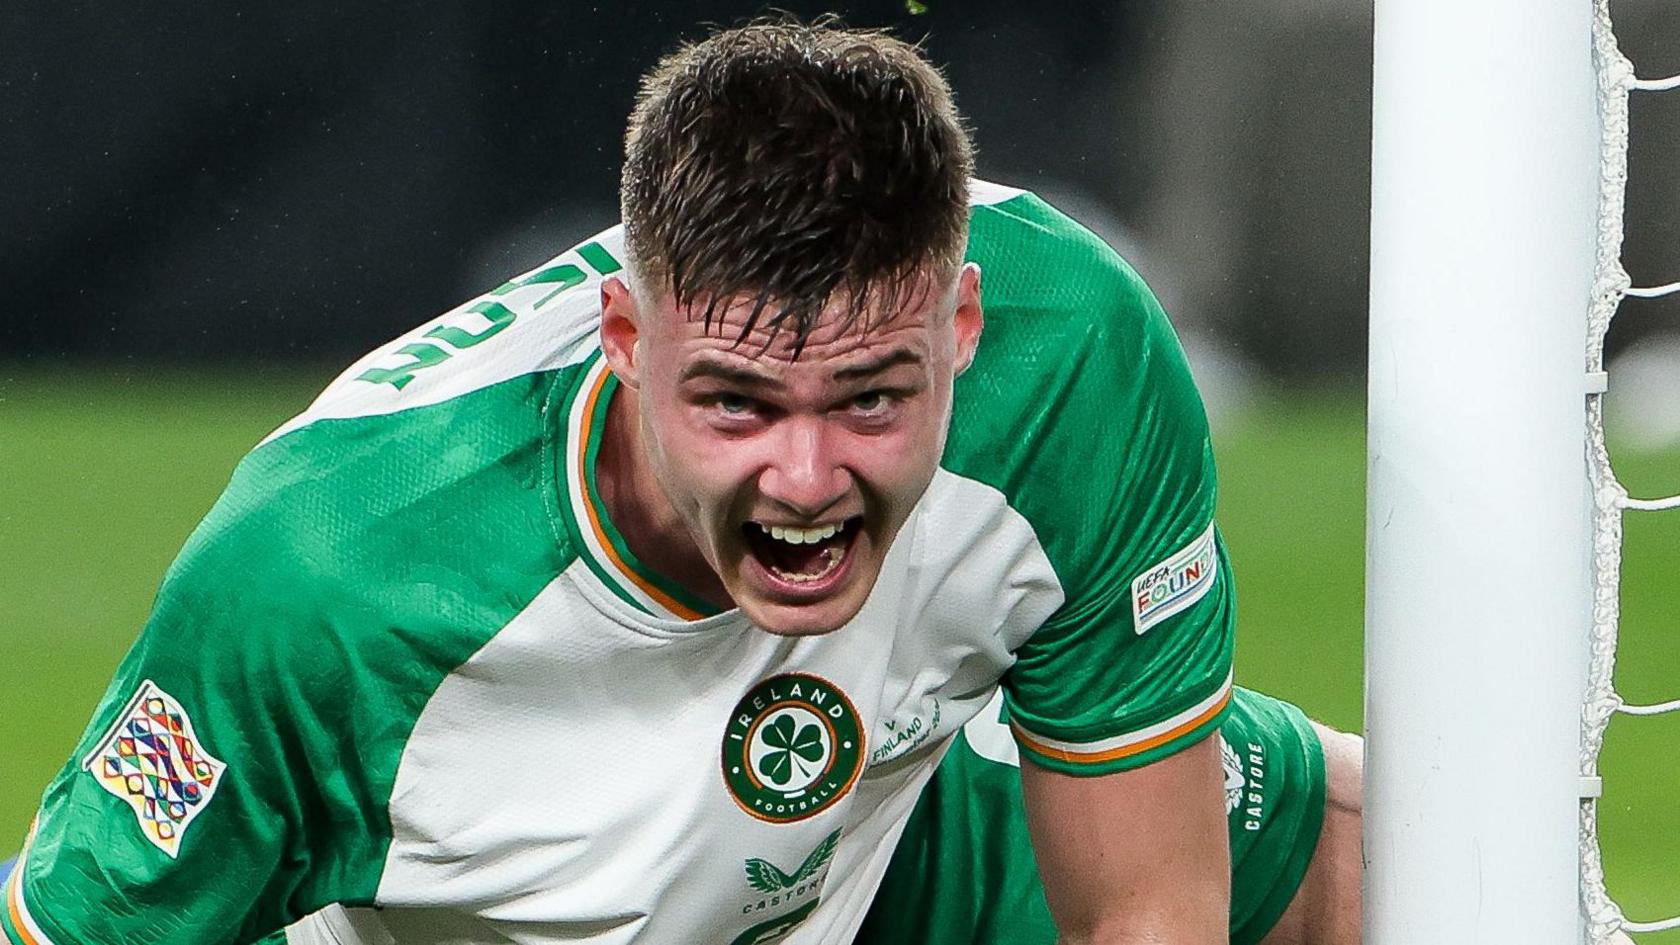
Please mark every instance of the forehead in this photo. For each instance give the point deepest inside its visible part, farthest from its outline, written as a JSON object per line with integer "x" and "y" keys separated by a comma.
{"x": 922, "y": 305}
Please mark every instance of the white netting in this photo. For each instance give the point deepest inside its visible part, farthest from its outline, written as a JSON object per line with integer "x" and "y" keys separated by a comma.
{"x": 1616, "y": 81}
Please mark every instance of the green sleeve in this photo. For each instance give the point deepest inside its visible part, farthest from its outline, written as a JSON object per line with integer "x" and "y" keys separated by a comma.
{"x": 1116, "y": 475}
{"x": 207, "y": 800}
{"x": 293, "y": 644}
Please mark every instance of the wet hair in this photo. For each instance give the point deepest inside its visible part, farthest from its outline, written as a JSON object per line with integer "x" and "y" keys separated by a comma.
{"x": 785, "y": 162}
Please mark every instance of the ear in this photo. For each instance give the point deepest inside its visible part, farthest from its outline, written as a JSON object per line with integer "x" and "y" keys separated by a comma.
{"x": 619, "y": 332}
{"x": 969, "y": 319}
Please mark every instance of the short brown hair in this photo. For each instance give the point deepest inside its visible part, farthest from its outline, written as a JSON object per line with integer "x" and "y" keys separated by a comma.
{"x": 784, "y": 161}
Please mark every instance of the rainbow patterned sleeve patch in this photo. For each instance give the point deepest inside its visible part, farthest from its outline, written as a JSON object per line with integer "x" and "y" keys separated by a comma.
{"x": 1176, "y": 583}
{"x": 152, "y": 760}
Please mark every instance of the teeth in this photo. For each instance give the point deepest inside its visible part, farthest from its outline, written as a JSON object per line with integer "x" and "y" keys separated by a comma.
{"x": 831, "y": 560}
{"x": 800, "y": 536}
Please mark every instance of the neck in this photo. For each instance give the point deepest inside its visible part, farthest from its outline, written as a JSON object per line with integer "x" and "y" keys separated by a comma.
{"x": 640, "y": 510}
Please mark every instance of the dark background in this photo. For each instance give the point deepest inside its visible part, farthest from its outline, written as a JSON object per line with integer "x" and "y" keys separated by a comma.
{"x": 282, "y": 184}
{"x": 301, "y": 182}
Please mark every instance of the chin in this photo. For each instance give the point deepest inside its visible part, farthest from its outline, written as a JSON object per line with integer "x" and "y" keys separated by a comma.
{"x": 800, "y": 620}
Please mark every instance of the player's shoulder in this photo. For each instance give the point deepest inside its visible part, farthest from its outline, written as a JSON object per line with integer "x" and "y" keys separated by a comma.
{"x": 1075, "y": 347}
{"x": 415, "y": 498}
{"x": 343, "y": 550}
{"x": 1044, "y": 273}
{"x": 450, "y": 426}
{"x": 542, "y": 321}
{"x": 1079, "y": 406}
{"x": 1069, "y": 323}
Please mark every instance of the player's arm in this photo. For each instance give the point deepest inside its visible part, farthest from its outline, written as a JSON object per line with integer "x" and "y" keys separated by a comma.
{"x": 1135, "y": 856}
{"x": 208, "y": 800}
{"x": 1113, "y": 699}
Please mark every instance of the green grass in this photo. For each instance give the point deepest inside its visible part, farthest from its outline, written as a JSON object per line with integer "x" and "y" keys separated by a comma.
{"x": 105, "y": 471}
{"x": 1292, "y": 512}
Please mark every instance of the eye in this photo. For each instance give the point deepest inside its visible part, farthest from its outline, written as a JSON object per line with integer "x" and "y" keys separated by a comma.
{"x": 870, "y": 401}
{"x": 733, "y": 405}
{"x": 876, "y": 406}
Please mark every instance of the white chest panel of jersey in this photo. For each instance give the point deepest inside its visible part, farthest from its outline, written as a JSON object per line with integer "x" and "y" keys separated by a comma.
{"x": 571, "y": 782}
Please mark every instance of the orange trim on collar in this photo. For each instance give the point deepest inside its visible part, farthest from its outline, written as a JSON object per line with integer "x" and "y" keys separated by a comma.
{"x": 665, "y": 600}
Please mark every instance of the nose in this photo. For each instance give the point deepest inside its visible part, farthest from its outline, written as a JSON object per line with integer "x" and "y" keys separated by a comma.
{"x": 804, "y": 473}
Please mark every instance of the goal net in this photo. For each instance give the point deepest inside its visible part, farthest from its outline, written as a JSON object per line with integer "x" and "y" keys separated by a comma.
{"x": 1611, "y": 502}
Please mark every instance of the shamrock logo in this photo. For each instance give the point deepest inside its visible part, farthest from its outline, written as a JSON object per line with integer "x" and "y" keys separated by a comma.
{"x": 792, "y": 745}
{"x": 791, "y": 748}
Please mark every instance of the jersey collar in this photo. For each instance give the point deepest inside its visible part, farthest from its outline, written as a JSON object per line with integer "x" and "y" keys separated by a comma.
{"x": 600, "y": 544}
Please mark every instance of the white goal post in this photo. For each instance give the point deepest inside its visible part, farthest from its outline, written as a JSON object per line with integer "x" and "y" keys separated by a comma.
{"x": 1484, "y": 196}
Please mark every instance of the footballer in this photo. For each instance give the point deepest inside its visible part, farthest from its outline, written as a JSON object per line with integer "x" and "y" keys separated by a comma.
{"x": 826, "y": 553}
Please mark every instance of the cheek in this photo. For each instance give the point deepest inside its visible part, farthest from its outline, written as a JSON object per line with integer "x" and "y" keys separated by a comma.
{"x": 901, "y": 464}
{"x": 925, "y": 446}
{"x": 678, "y": 427}
{"x": 696, "y": 460}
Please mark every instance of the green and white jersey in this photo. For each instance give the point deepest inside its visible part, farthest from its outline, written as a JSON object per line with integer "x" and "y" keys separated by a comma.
{"x": 408, "y": 672}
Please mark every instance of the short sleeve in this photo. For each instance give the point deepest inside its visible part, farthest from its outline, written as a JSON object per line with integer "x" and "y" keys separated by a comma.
{"x": 1115, "y": 472}
{"x": 209, "y": 800}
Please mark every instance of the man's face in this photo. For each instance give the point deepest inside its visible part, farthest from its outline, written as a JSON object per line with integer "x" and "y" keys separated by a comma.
{"x": 792, "y": 475}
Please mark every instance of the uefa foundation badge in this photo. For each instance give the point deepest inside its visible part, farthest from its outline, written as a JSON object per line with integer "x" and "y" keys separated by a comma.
{"x": 792, "y": 748}
{"x": 152, "y": 761}
{"x": 1176, "y": 583}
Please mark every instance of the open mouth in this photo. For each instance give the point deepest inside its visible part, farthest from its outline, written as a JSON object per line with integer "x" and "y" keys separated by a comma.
{"x": 801, "y": 556}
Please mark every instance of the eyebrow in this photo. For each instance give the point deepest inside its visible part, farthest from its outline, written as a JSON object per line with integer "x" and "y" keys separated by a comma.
{"x": 718, "y": 370}
{"x": 706, "y": 367}
{"x": 870, "y": 368}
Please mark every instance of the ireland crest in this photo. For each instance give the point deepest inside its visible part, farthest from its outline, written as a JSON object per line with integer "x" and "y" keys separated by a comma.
{"x": 792, "y": 748}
